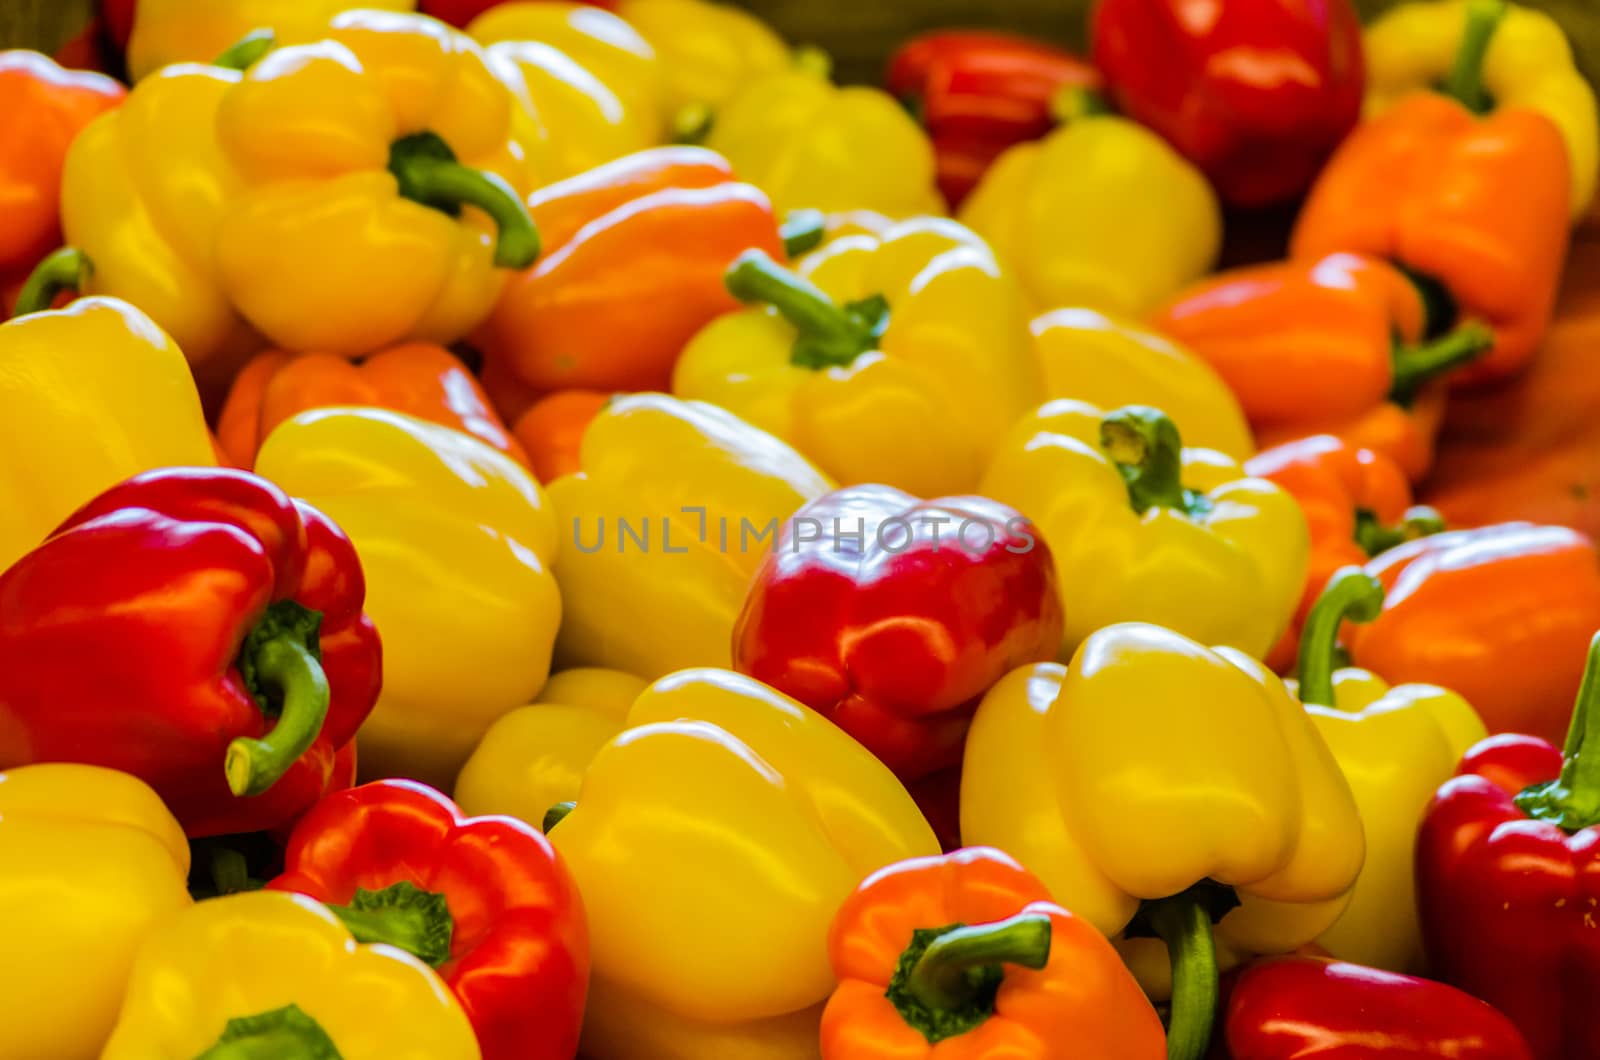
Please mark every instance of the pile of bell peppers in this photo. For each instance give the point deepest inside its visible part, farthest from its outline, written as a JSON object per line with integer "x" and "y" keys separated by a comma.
{"x": 536, "y": 530}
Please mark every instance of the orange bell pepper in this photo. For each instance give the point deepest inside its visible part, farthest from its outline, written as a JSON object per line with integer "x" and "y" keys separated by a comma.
{"x": 1357, "y": 504}
{"x": 42, "y": 109}
{"x": 1502, "y": 614}
{"x": 551, "y": 431}
{"x": 1326, "y": 346}
{"x": 1477, "y": 207}
{"x": 966, "y": 955}
{"x": 417, "y": 378}
{"x": 636, "y": 253}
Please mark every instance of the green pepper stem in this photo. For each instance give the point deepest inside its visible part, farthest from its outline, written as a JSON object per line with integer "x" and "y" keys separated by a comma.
{"x": 1351, "y": 595}
{"x": 254, "y": 765}
{"x": 1416, "y": 365}
{"x": 246, "y": 51}
{"x": 556, "y": 814}
{"x": 1075, "y": 102}
{"x": 802, "y": 231}
{"x": 1145, "y": 446}
{"x": 1184, "y": 924}
{"x": 283, "y": 1032}
{"x": 404, "y": 916}
{"x": 230, "y": 872}
{"x": 1376, "y": 539}
{"x": 1465, "y": 80}
{"x": 941, "y": 978}
{"x": 64, "y": 269}
{"x": 428, "y": 173}
{"x": 830, "y": 335}
{"x": 1572, "y": 801}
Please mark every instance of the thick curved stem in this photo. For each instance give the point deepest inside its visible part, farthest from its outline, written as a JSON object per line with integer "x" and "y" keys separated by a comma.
{"x": 940, "y": 979}
{"x": 1416, "y": 365}
{"x": 830, "y": 335}
{"x": 254, "y": 765}
{"x": 1465, "y": 80}
{"x": 1572, "y": 800}
{"x": 247, "y": 50}
{"x": 66, "y": 269}
{"x": 428, "y": 173}
{"x": 1184, "y": 924}
{"x": 1145, "y": 445}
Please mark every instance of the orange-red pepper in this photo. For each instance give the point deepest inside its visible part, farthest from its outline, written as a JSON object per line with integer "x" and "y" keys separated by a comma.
{"x": 634, "y": 265}
{"x": 967, "y": 956}
{"x": 417, "y": 378}
{"x": 551, "y": 431}
{"x": 1501, "y": 614}
{"x": 1326, "y": 346}
{"x": 42, "y": 109}
{"x": 1477, "y": 207}
{"x": 1357, "y": 504}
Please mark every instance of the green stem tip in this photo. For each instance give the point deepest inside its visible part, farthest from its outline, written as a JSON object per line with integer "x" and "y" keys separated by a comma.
{"x": 1351, "y": 595}
{"x": 556, "y": 814}
{"x": 428, "y": 172}
{"x": 1416, "y": 365}
{"x": 802, "y": 231}
{"x": 1376, "y": 539}
{"x": 247, "y": 50}
{"x": 1147, "y": 450}
{"x": 65, "y": 269}
{"x": 947, "y": 979}
{"x": 281, "y": 654}
{"x": 1465, "y": 80}
{"x": 1572, "y": 800}
{"x": 830, "y": 335}
{"x": 402, "y": 915}
{"x": 274, "y": 1035}
{"x": 1184, "y": 924}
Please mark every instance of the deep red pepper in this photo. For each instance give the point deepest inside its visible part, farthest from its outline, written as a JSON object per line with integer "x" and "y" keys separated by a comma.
{"x": 484, "y": 900}
{"x": 118, "y": 17}
{"x": 1311, "y": 1008}
{"x": 979, "y": 93}
{"x": 892, "y": 615}
{"x": 1508, "y": 880}
{"x": 199, "y": 629}
{"x": 1257, "y": 93}
{"x": 461, "y": 12}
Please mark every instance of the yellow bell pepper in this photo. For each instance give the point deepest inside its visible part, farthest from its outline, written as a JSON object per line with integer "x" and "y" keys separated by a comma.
{"x": 356, "y": 227}
{"x": 535, "y": 756}
{"x": 808, "y": 143}
{"x": 93, "y": 394}
{"x": 456, "y": 541}
{"x": 1145, "y": 530}
{"x": 708, "y": 50}
{"x": 900, "y": 359}
{"x": 1109, "y": 362}
{"x": 663, "y": 528}
{"x": 1101, "y": 213}
{"x": 1171, "y": 794}
{"x": 93, "y": 859}
{"x": 713, "y": 840}
{"x": 268, "y": 973}
{"x": 1529, "y": 63}
{"x": 195, "y": 31}
{"x": 1396, "y": 746}
{"x": 588, "y": 80}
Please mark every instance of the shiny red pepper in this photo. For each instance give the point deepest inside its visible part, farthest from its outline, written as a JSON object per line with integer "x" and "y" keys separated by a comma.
{"x": 1508, "y": 880}
{"x": 484, "y": 900}
{"x": 1310, "y": 1008}
{"x": 979, "y": 93}
{"x": 1256, "y": 93}
{"x": 199, "y": 629}
{"x": 892, "y": 616}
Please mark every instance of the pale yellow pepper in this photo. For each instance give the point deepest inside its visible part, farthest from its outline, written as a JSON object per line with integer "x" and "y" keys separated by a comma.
{"x": 662, "y": 529}
{"x": 708, "y": 50}
{"x": 92, "y": 861}
{"x": 457, "y": 541}
{"x": 197, "y": 31}
{"x": 91, "y": 395}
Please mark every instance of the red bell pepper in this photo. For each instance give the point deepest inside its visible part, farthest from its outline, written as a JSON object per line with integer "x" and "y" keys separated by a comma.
{"x": 199, "y": 629}
{"x": 1310, "y": 1008}
{"x": 892, "y": 616}
{"x": 485, "y": 900}
{"x": 461, "y": 12}
{"x": 118, "y": 16}
{"x": 1508, "y": 880}
{"x": 979, "y": 93}
{"x": 1256, "y": 93}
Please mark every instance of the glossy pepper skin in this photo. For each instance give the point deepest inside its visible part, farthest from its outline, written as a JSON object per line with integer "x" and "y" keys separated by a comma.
{"x": 1256, "y": 94}
{"x": 979, "y": 93}
{"x": 709, "y": 51}
{"x": 1357, "y": 504}
{"x": 891, "y": 616}
{"x": 865, "y": 357}
{"x": 641, "y": 243}
{"x": 380, "y": 195}
{"x": 1500, "y": 614}
{"x": 551, "y": 431}
{"x": 1476, "y": 205}
{"x": 483, "y": 900}
{"x": 44, "y": 108}
{"x": 1507, "y": 850}
{"x": 460, "y": 13}
{"x": 1102, "y": 214}
{"x": 713, "y": 842}
{"x": 1308, "y": 1008}
{"x": 663, "y": 528}
{"x": 270, "y": 974}
{"x": 437, "y": 516}
{"x": 1195, "y": 544}
{"x": 967, "y": 956}
{"x": 94, "y": 862}
{"x": 1323, "y": 346}
{"x": 417, "y": 378}
{"x": 100, "y": 389}
{"x": 1395, "y": 746}
{"x": 236, "y": 722}
{"x": 1529, "y": 63}
{"x": 1232, "y": 832}
{"x": 1111, "y": 361}
{"x": 167, "y": 32}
